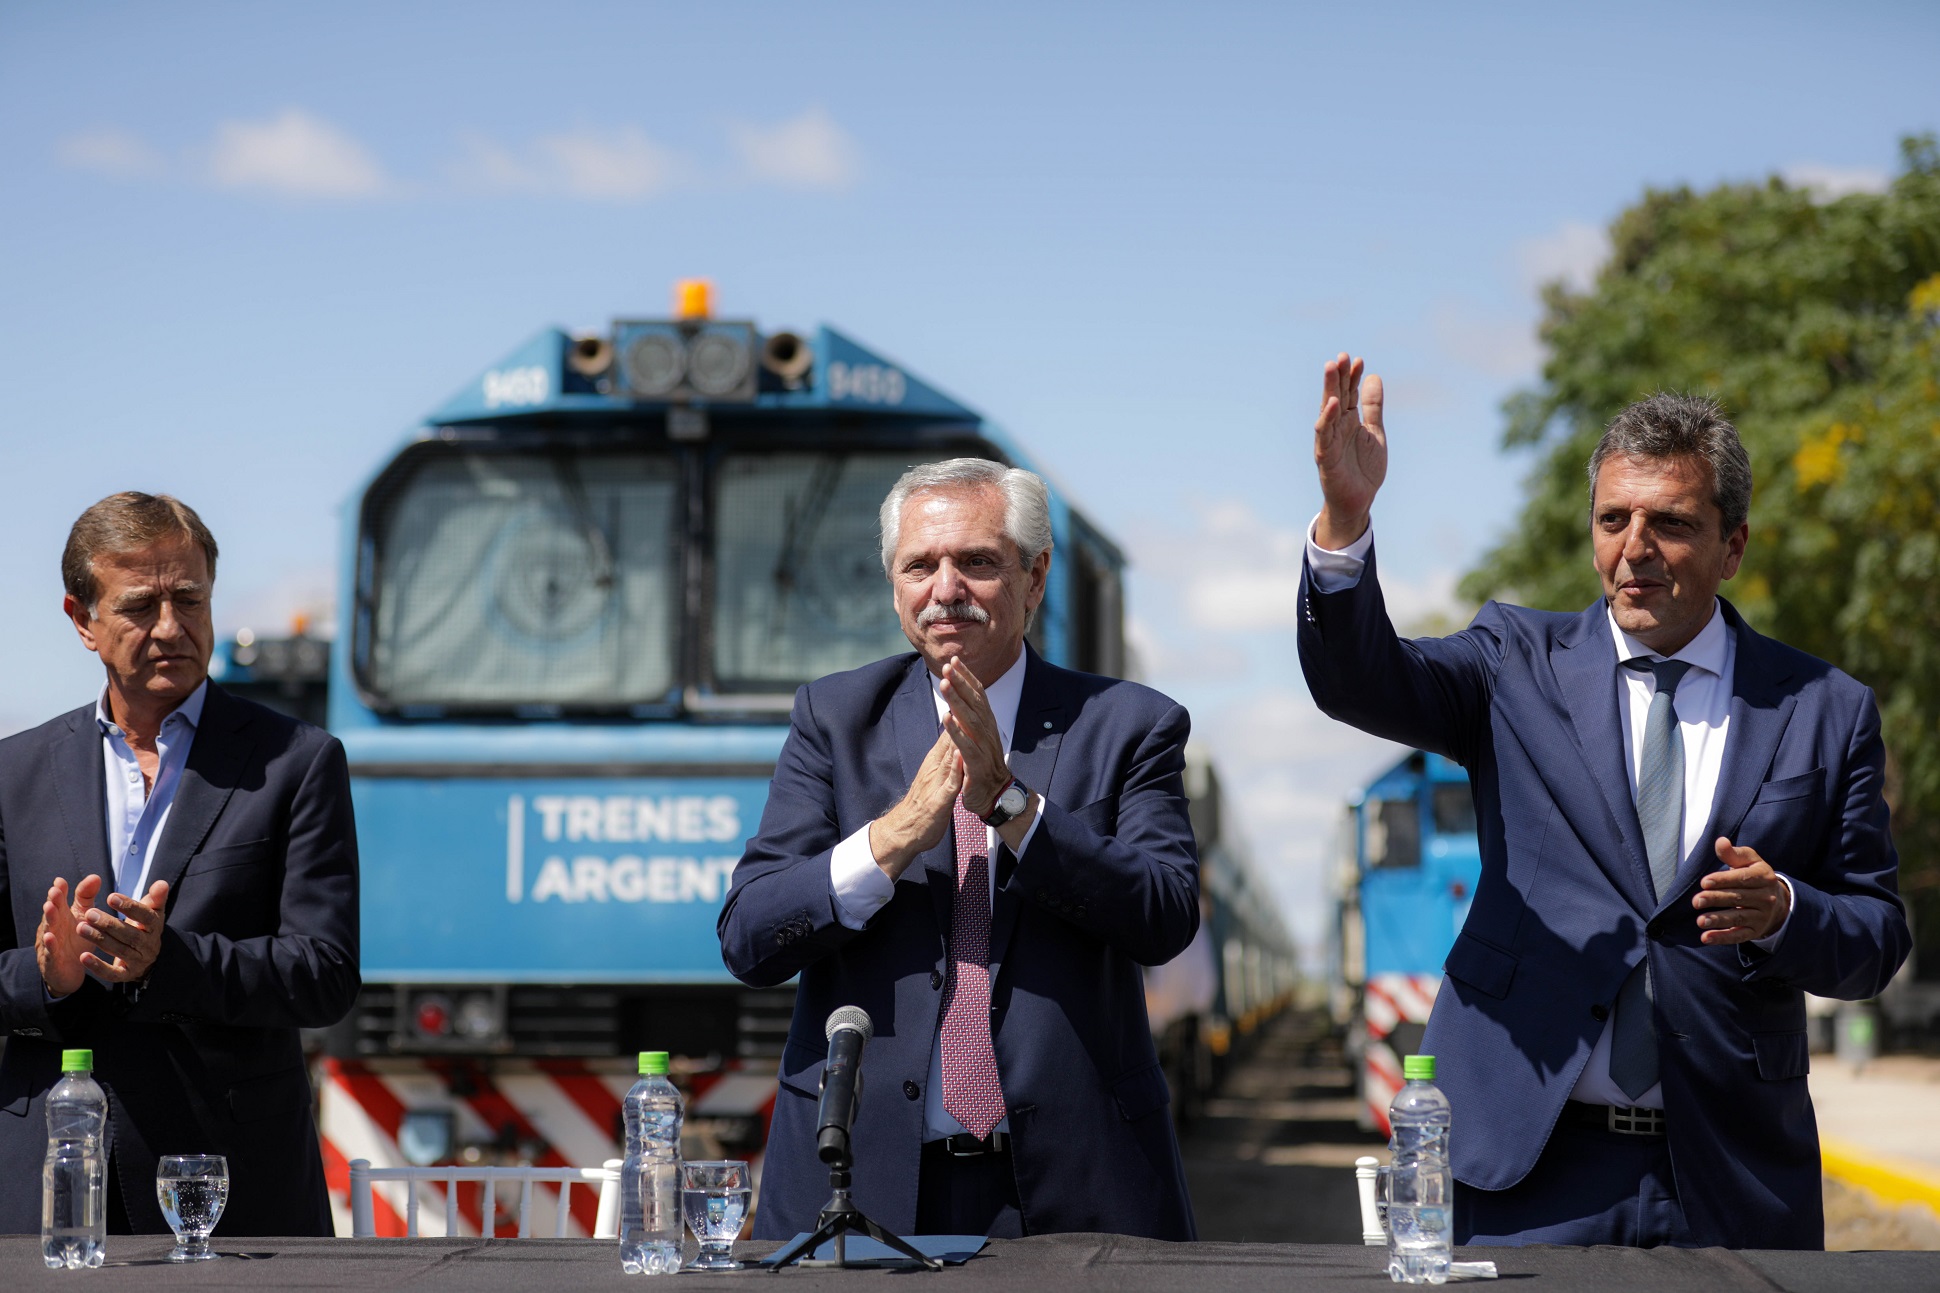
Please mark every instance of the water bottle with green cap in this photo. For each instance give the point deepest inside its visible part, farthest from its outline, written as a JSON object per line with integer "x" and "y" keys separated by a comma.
{"x": 1420, "y": 1181}
{"x": 73, "y": 1180}
{"x": 650, "y": 1225}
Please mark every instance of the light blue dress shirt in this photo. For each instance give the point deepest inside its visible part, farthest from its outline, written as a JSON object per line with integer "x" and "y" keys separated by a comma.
{"x": 137, "y": 812}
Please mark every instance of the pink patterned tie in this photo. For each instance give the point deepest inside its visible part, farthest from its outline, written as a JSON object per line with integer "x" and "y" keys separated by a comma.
{"x": 971, "y": 1093}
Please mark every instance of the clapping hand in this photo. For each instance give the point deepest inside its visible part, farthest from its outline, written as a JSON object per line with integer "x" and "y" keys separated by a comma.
{"x": 923, "y": 816}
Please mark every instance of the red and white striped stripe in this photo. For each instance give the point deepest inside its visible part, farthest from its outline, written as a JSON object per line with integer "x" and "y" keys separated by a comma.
{"x": 1391, "y": 999}
{"x": 559, "y": 1113}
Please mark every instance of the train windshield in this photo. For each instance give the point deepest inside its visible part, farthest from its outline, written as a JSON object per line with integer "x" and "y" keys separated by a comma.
{"x": 503, "y": 580}
{"x": 798, "y": 583}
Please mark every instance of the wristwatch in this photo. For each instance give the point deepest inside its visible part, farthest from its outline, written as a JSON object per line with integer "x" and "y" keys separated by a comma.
{"x": 1012, "y": 800}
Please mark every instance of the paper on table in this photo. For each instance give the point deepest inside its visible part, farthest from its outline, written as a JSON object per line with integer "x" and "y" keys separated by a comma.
{"x": 1471, "y": 1270}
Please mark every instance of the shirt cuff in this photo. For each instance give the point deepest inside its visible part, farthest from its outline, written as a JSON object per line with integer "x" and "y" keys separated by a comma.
{"x": 1037, "y": 819}
{"x": 1769, "y": 943}
{"x": 1335, "y": 572}
{"x": 859, "y": 885}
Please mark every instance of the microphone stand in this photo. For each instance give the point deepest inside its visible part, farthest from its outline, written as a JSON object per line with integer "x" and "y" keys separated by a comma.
{"x": 840, "y": 1215}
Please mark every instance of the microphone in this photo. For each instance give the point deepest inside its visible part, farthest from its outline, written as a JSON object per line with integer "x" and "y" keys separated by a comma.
{"x": 848, "y": 1029}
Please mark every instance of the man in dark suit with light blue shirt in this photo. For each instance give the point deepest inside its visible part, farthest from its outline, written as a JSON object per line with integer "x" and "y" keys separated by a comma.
{"x": 178, "y": 869}
{"x": 1683, "y": 831}
{"x": 979, "y": 849}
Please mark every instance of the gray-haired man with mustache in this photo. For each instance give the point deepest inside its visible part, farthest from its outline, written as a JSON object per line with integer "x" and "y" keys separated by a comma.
{"x": 980, "y": 849}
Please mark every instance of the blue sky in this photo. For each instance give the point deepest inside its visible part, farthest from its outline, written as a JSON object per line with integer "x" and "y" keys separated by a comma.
{"x": 243, "y": 247}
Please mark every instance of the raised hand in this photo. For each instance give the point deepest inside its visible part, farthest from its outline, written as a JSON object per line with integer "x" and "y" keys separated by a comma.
{"x": 1350, "y": 450}
{"x": 922, "y": 817}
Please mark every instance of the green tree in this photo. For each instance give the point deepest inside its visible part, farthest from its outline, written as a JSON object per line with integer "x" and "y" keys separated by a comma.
{"x": 1817, "y": 323}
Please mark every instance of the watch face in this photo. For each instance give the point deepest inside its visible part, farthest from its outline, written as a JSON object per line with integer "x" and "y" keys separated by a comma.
{"x": 1012, "y": 801}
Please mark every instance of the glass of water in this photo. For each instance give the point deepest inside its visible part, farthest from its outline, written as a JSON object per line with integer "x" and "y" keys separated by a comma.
{"x": 193, "y": 1189}
{"x": 714, "y": 1198}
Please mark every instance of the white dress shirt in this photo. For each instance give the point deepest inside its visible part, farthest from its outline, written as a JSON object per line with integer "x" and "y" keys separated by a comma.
{"x": 1703, "y": 703}
{"x": 137, "y": 812}
{"x": 862, "y": 888}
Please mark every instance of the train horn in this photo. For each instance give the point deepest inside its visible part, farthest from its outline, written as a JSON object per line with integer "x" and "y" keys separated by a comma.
{"x": 788, "y": 356}
{"x": 589, "y": 356}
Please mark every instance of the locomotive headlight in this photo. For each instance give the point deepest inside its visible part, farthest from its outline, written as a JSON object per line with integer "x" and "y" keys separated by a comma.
{"x": 718, "y": 364}
{"x": 654, "y": 363}
{"x": 478, "y": 1017}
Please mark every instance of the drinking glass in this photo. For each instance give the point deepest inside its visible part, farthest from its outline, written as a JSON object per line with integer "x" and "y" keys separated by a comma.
{"x": 714, "y": 1198}
{"x": 193, "y": 1189}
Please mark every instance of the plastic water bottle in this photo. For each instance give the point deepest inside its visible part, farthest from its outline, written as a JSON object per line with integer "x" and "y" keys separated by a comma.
{"x": 650, "y": 1177}
{"x": 73, "y": 1182}
{"x": 1421, "y": 1184}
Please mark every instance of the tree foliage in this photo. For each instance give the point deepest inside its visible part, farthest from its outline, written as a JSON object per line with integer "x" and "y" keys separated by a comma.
{"x": 1817, "y": 323}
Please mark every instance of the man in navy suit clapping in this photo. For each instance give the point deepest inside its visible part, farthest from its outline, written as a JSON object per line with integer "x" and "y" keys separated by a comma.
{"x": 178, "y": 876}
{"x": 980, "y": 849}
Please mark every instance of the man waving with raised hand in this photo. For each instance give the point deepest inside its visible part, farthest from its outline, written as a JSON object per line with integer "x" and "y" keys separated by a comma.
{"x": 1683, "y": 830}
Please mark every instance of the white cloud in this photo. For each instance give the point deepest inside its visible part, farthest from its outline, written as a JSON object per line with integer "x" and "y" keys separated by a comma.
{"x": 111, "y": 151}
{"x": 1573, "y": 253}
{"x": 1238, "y": 573}
{"x": 1829, "y": 182}
{"x": 1287, "y": 770}
{"x": 271, "y": 608}
{"x": 1492, "y": 344}
{"x": 806, "y": 152}
{"x": 294, "y": 154}
{"x": 624, "y": 164}
{"x": 1218, "y": 591}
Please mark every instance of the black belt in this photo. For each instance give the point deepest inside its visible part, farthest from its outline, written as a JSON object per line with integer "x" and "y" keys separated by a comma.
{"x": 964, "y": 1145}
{"x": 1625, "y": 1119}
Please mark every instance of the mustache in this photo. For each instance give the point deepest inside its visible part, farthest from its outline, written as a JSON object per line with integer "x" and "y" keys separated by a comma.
{"x": 954, "y": 611}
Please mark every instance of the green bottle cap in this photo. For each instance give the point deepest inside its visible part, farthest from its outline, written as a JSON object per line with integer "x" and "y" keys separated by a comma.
{"x": 77, "y": 1061}
{"x": 1418, "y": 1068}
{"x": 653, "y": 1063}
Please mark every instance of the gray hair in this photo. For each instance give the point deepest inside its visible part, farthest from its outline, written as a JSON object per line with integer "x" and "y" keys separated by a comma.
{"x": 1683, "y": 426}
{"x": 1027, "y": 503}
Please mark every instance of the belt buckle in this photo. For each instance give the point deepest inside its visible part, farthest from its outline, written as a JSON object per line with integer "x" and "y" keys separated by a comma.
{"x": 1632, "y": 1120}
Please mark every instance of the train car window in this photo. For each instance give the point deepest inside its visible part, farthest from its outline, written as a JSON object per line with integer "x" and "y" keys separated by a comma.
{"x": 1454, "y": 809}
{"x": 1097, "y": 613}
{"x": 519, "y": 579}
{"x": 1393, "y": 833}
{"x": 798, "y": 583}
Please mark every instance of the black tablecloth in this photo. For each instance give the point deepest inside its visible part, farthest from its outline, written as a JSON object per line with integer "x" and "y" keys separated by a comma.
{"x": 1058, "y": 1263}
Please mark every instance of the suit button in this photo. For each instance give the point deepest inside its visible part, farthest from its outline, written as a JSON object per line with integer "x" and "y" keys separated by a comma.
{"x": 1599, "y": 1012}
{"x": 911, "y": 1090}
{"x": 936, "y": 979}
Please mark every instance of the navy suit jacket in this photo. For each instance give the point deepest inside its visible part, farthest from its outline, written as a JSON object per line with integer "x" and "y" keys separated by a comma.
{"x": 1109, "y": 882}
{"x": 1526, "y": 701}
{"x": 260, "y": 940}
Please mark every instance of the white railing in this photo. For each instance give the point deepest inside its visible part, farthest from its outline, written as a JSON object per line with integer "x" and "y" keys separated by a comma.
{"x": 606, "y": 1177}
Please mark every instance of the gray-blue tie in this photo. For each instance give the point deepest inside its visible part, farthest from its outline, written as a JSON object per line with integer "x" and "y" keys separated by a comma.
{"x": 1660, "y": 812}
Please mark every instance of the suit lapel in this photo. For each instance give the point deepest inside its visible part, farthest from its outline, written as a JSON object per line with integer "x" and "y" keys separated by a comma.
{"x": 1760, "y": 711}
{"x": 1585, "y": 663}
{"x": 79, "y": 785}
{"x": 221, "y": 751}
{"x": 1034, "y": 742}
